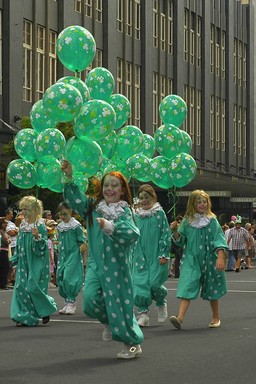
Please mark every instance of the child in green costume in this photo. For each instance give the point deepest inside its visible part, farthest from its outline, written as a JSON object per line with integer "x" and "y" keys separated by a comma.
{"x": 30, "y": 300}
{"x": 108, "y": 289}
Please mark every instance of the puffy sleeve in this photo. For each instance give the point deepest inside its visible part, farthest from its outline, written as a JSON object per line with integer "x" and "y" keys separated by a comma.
{"x": 76, "y": 199}
{"x": 125, "y": 231}
{"x": 219, "y": 240}
{"x": 181, "y": 241}
{"x": 81, "y": 239}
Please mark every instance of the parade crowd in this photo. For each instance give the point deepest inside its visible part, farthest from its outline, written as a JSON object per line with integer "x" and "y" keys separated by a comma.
{"x": 119, "y": 252}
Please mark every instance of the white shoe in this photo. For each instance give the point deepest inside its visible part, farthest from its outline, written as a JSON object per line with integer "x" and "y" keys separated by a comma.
{"x": 63, "y": 310}
{"x": 106, "y": 334}
{"x": 162, "y": 313}
{"x": 71, "y": 309}
{"x": 130, "y": 352}
{"x": 143, "y": 320}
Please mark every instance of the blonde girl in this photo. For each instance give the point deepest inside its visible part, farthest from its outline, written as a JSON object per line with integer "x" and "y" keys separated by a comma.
{"x": 203, "y": 261}
{"x": 30, "y": 301}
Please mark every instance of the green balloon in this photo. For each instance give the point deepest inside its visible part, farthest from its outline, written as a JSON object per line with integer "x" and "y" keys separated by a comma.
{"x": 24, "y": 144}
{"x": 39, "y": 119}
{"x": 50, "y": 144}
{"x": 122, "y": 107}
{"x": 59, "y": 188}
{"x": 186, "y": 145}
{"x": 96, "y": 120}
{"x": 100, "y": 83}
{"x": 62, "y": 102}
{"x": 118, "y": 166}
{"x": 173, "y": 110}
{"x": 139, "y": 167}
{"x": 77, "y": 83}
{"x": 21, "y": 173}
{"x": 160, "y": 171}
{"x": 48, "y": 174}
{"x": 130, "y": 141}
{"x": 149, "y": 146}
{"x": 84, "y": 155}
{"x": 76, "y": 48}
{"x": 168, "y": 140}
{"x": 183, "y": 169}
{"x": 108, "y": 144}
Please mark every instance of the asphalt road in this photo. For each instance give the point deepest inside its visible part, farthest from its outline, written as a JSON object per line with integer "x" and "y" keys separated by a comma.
{"x": 69, "y": 349}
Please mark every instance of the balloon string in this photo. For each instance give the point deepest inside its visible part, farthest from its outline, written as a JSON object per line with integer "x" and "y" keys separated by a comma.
{"x": 173, "y": 195}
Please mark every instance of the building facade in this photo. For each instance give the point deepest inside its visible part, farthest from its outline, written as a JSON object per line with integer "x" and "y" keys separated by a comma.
{"x": 202, "y": 50}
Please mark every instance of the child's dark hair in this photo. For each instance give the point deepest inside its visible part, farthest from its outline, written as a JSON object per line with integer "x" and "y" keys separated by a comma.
{"x": 63, "y": 205}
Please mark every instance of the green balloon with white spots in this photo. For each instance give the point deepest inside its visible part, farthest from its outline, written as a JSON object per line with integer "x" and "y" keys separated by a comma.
{"x": 39, "y": 118}
{"x": 21, "y": 173}
{"x": 173, "y": 110}
{"x": 130, "y": 141}
{"x": 139, "y": 167}
{"x": 184, "y": 169}
{"x": 168, "y": 140}
{"x": 149, "y": 147}
{"x": 25, "y": 144}
{"x": 122, "y": 107}
{"x": 50, "y": 144}
{"x": 160, "y": 171}
{"x": 100, "y": 83}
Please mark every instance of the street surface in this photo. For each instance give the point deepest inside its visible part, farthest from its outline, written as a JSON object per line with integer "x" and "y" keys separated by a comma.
{"x": 69, "y": 349}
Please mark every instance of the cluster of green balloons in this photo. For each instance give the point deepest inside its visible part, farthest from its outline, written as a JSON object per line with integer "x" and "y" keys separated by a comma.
{"x": 101, "y": 142}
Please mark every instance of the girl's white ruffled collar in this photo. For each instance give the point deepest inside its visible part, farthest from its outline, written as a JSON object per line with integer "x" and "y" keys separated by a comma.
{"x": 27, "y": 227}
{"x": 148, "y": 212}
{"x": 200, "y": 221}
{"x": 71, "y": 224}
{"x": 111, "y": 211}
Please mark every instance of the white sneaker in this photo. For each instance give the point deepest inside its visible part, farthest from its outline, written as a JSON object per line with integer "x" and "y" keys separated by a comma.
{"x": 71, "y": 309}
{"x": 130, "y": 352}
{"x": 106, "y": 333}
{"x": 162, "y": 313}
{"x": 143, "y": 320}
{"x": 63, "y": 310}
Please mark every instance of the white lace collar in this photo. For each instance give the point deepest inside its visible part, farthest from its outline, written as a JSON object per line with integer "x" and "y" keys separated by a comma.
{"x": 148, "y": 212}
{"x": 111, "y": 211}
{"x": 71, "y": 224}
{"x": 27, "y": 227}
{"x": 200, "y": 221}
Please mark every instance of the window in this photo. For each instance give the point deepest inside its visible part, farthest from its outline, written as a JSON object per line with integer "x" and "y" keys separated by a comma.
{"x": 244, "y": 65}
{"x": 137, "y": 15}
{"x": 27, "y": 60}
{"x": 198, "y": 116}
{"x": 170, "y": 28}
{"x": 88, "y": 8}
{"x": 129, "y": 11}
{"x": 40, "y": 60}
{"x": 223, "y": 55}
{"x": 78, "y": 6}
{"x": 119, "y": 76}
{"x": 186, "y": 34}
{"x": 52, "y": 58}
{"x": 120, "y": 15}
{"x": 155, "y": 101}
{"x": 212, "y": 121}
{"x": 162, "y": 31}
{"x": 129, "y": 84}
{"x": 223, "y": 125}
{"x": 235, "y": 129}
{"x": 137, "y": 96}
{"x": 155, "y": 24}
{"x": 98, "y": 10}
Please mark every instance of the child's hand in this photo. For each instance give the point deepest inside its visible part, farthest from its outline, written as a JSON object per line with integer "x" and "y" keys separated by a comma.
{"x": 221, "y": 261}
{"x": 101, "y": 222}
{"x": 163, "y": 260}
{"x": 35, "y": 233}
{"x": 66, "y": 167}
{"x": 174, "y": 225}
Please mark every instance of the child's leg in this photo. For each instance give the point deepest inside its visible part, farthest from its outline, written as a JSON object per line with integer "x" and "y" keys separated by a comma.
{"x": 184, "y": 304}
{"x": 215, "y": 311}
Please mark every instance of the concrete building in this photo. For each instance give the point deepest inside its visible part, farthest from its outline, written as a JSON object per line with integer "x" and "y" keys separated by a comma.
{"x": 202, "y": 50}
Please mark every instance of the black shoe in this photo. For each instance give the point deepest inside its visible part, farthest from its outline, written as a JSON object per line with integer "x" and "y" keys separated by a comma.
{"x": 45, "y": 319}
{"x": 237, "y": 270}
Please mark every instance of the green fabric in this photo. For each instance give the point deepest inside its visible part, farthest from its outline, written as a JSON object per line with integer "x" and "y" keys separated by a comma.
{"x": 30, "y": 300}
{"x": 148, "y": 275}
{"x": 198, "y": 264}
{"x": 108, "y": 291}
{"x": 70, "y": 274}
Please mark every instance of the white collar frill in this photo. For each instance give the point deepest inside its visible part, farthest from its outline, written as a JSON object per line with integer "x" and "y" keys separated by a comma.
{"x": 140, "y": 212}
{"x": 71, "y": 224}
{"x": 27, "y": 227}
{"x": 111, "y": 211}
{"x": 200, "y": 221}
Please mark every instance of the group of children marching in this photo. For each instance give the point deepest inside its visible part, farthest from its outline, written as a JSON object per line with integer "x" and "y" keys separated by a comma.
{"x": 128, "y": 259}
